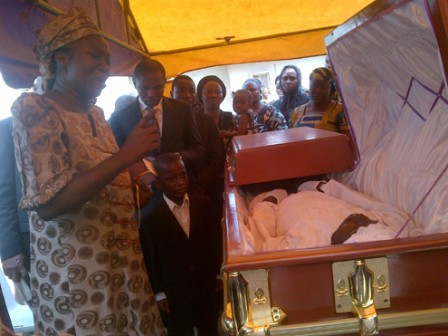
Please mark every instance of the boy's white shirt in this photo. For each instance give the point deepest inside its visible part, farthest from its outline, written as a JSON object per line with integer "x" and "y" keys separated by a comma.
{"x": 182, "y": 213}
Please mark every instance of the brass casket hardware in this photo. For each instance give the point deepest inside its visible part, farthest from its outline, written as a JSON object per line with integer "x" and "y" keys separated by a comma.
{"x": 362, "y": 286}
{"x": 361, "y": 293}
{"x": 249, "y": 311}
{"x": 381, "y": 292}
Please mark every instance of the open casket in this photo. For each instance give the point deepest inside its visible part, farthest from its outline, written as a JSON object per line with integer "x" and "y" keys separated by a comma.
{"x": 391, "y": 62}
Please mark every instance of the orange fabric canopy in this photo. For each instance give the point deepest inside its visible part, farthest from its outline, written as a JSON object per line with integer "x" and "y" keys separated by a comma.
{"x": 182, "y": 34}
{"x": 191, "y": 34}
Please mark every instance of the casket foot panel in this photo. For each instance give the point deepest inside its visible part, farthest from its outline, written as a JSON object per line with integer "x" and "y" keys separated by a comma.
{"x": 249, "y": 308}
{"x": 268, "y": 320}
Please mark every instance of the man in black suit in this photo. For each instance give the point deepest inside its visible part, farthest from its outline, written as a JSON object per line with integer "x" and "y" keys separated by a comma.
{"x": 176, "y": 244}
{"x": 178, "y": 129}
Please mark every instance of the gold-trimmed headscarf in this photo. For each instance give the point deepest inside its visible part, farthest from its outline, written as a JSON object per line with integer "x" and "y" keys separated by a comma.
{"x": 322, "y": 73}
{"x": 58, "y": 32}
{"x": 326, "y": 75}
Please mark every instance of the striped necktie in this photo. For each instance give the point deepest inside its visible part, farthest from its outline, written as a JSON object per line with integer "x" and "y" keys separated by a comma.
{"x": 152, "y": 121}
{"x": 151, "y": 113}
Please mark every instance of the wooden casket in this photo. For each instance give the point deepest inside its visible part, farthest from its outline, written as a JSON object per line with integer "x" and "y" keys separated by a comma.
{"x": 391, "y": 62}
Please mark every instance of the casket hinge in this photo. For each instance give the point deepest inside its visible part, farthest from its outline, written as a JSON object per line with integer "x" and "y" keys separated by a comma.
{"x": 249, "y": 311}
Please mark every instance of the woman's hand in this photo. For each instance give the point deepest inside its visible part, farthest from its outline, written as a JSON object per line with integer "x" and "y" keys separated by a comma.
{"x": 163, "y": 305}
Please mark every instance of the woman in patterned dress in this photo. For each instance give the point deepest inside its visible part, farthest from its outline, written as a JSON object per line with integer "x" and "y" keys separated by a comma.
{"x": 87, "y": 270}
{"x": 266, "y": 116}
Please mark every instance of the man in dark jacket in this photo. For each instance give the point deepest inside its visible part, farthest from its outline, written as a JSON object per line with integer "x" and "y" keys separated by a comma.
{"x": 178, "y": 129}
{"x": 14, "y": 227}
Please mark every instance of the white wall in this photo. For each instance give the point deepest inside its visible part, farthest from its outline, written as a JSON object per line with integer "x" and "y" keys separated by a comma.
{"x": 7, "y": 97}
{"x": 116, "y": 86}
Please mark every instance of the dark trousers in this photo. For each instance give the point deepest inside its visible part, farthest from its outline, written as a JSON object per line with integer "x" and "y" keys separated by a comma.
{"x": 4, "y": 315}
{"x": 201, "y": 312}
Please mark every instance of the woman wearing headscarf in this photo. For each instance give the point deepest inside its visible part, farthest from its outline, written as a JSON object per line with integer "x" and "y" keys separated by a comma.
{"x": 321, "y": 111}
{"x": 291, "y": 86}
{"x": 87, "y": 273}
{"x": 266, "y": 117}
{"x": 211, "y": 93}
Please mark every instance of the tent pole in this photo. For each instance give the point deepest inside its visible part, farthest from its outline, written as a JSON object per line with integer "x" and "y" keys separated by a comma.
{"x": 98, "y": 16}
{"x": 128, "y": 12}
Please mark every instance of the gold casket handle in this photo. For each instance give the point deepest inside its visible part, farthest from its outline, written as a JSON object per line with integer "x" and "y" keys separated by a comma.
{"x": 249, "y": 311}
{"x": 361, "y": 291}
{"x": 239, "y": 300}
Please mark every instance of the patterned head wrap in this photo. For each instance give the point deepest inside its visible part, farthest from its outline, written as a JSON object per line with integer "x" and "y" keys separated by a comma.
{"x": 58, "y": 32}
{"x": 326, "y": 75}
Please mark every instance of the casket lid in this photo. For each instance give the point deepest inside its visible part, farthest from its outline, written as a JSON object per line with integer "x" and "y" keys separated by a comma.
{"x": 390, "y": 63}
{"x": 286, "y": 154}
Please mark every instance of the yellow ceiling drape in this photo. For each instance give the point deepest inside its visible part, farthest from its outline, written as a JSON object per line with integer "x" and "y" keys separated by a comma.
{"x": 190, "y": 34}
{"x": 182, "y": 34}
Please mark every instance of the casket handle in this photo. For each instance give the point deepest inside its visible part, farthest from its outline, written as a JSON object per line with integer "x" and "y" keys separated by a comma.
{"x": 361, "y": 283}
{"x": 249, "y": 311}
{"x": 238, "y": 299}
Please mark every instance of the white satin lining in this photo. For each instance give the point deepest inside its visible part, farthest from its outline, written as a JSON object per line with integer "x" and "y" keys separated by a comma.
{"x": 389, "y": 73}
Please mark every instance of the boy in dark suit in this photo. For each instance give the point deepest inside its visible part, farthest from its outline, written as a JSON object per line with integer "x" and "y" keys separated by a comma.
{"x": 179, "y": 255}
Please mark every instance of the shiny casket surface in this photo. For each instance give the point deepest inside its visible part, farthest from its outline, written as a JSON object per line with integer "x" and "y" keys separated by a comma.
{"x": 292, "y": 152}
{"x": 390, "y": 73}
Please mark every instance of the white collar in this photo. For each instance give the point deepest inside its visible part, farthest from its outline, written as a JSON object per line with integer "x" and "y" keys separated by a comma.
{"x": 171, "y": 204}
{"x": 143, "y": 106}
